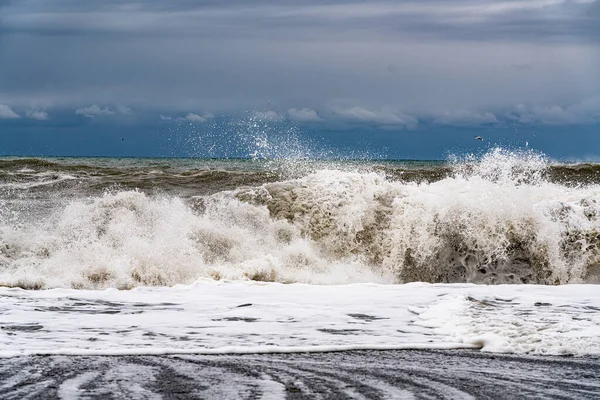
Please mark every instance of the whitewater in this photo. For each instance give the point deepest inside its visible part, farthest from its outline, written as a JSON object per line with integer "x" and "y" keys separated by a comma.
{"x": 114, "y": 256}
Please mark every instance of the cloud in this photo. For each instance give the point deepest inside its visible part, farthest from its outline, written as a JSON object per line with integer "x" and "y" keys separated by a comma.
{"x": 7, "y": 113}
{"x": 585, "y": 112}
{"x": 465, "y": 118}
{"x": 40, "y": 115}
{"x": 410, "y": 55}
{"x": 193, "y": 117}
{"x": 473, "y": 20}
{"x": 164, "y": 118}
{"x": 392, "y": 69}
{"x": 94, "y": 111}
{"x": 382, "y": 117}
{"x": 303, "y": 115}
{"x": 124, "y": 110}
{"x": 267, "y": 116}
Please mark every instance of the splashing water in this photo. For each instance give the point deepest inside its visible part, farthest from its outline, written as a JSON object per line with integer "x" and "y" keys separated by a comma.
{"x": 493, "y": 220}
{"x": 504, "y": 166}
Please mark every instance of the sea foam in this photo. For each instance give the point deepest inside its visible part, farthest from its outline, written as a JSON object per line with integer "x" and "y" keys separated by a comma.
{"x": 212, "y": 317}
{"x": 493, "y": 220}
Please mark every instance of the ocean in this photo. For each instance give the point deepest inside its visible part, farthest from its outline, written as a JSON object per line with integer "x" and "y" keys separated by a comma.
{"x": 106, "y": 256}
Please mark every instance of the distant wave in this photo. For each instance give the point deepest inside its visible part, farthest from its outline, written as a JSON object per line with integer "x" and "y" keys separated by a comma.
{"x": 26, "y": 174}
{"x": 161, "y": 175}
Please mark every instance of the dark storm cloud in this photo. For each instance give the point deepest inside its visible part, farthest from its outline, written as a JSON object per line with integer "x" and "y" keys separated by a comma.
{"x": 382, "y": 62}
{"x": 543, "y": 20}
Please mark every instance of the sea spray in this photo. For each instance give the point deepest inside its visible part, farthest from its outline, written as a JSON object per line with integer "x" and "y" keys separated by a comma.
{"x": 498, "y": 219}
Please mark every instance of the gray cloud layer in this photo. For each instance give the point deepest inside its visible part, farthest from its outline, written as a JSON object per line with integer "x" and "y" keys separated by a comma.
{"x": 460, "y": 62}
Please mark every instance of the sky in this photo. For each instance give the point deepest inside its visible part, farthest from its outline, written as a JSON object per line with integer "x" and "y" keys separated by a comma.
{"x": 391, "y": 79}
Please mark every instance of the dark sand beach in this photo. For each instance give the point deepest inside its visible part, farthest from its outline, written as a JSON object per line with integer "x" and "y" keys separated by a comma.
{"x": 459, "y": 374}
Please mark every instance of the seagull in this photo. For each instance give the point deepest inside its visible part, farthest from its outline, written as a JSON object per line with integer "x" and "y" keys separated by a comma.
{"x": 478, "y": 138}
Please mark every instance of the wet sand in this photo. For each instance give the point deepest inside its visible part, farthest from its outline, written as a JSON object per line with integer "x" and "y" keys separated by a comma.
{"x": 458, "y": 374}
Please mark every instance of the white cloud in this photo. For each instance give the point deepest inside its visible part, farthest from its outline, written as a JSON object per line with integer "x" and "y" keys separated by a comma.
{"x": 383, "y": 116}
{"x": 303, "y": 115}
{"x": 93, "y": 111}
{"x": 124, "y": 110}
{"x": 164, "y": 118}
{"x": 193, "y": 117}
{"x": 40, "y": 115}
{"x": 7, "y": 113}
{"x": 585, "y": 112}
{"x": 267, "y": 116}
{"x": 465, "y": 118}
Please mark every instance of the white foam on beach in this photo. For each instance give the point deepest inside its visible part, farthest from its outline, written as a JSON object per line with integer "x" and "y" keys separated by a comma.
{"x": 211, "y": 317}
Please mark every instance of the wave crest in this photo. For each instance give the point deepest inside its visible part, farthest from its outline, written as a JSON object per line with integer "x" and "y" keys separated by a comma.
{"x": 498, "y": 220}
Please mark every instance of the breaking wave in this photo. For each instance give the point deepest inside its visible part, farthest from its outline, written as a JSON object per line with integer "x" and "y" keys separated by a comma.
{"x": 499, "y": 219}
